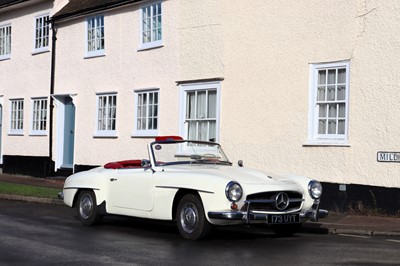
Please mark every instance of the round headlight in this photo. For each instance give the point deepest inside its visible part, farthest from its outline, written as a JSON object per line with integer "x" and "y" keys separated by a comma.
{"x": 233, "y": 191}
{"x": 315, "y": 189}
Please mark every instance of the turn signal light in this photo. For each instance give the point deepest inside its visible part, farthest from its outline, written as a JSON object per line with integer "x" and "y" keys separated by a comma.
{"x": 234, "y": 206}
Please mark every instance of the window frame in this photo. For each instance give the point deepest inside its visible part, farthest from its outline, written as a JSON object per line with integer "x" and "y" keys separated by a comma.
{"x": 15, "y": 120}
{"x": 41, "y": 118}
{"x": 7, "y": 41}
{"x": 314, "y": 138}
{"x": 192, "y": 87}
{"x": 47, "y": 27}
{"x": 146, "y": 132}
{"x": 96, "y": 52}
{"x": 112, "y": 133}
{"x": 152, "y": 43}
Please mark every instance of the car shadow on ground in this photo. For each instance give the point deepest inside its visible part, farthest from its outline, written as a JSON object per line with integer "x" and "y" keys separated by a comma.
{"x": 156, "y": 228}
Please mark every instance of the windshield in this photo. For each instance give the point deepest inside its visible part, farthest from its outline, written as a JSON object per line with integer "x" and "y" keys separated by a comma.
{"x": 188, "y": 152}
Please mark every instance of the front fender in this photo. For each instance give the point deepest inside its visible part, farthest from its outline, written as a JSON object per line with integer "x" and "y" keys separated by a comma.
{"x": 69, "y": 196}
{"x": 303, "y": 181}
{"x": 95, "y": 180}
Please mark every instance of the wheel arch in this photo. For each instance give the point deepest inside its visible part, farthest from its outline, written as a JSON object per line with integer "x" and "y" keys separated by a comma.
{"x": 101, "y": 203}
{"x": 178, "y": 196}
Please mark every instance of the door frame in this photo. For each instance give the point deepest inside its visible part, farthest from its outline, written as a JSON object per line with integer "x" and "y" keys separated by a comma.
{"x": 59, "y": 103}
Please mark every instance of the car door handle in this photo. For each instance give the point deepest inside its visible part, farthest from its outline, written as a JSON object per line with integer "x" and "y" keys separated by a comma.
{"x": 112, "y": 179}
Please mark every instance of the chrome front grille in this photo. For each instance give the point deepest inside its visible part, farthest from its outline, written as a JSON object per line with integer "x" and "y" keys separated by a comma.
{"x": 274, "y": 202}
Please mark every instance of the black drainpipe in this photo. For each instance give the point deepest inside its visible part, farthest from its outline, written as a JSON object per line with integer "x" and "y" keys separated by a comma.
{"x": 52, "y": 81}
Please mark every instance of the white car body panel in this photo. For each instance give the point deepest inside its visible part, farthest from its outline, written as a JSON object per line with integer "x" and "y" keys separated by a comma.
{"x": 128, "y": 186}
{"x": 160, "y": 188}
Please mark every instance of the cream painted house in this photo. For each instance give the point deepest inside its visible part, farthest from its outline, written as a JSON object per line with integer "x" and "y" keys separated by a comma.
{"x": 25, "y": 65}
{"x": 306, "y": 87}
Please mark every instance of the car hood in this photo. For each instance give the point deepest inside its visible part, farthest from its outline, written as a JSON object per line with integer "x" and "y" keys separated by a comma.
{"x": 232, "y": 173}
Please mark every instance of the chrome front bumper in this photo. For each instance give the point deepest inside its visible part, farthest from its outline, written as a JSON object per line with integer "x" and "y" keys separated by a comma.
{"x": 60, "y": 195}
{"x": 256, "y": 217}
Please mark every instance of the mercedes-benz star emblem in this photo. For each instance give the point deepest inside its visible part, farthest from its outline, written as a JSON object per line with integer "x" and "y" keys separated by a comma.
{"x": 281, "y": 201}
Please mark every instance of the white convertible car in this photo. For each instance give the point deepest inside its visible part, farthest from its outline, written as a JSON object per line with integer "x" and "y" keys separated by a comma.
{"x": 194, "y": 184}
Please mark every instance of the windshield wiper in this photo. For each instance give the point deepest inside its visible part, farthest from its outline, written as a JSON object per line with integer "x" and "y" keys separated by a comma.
{"x": 196, "y": 157}
{"x": 225, "y": 162}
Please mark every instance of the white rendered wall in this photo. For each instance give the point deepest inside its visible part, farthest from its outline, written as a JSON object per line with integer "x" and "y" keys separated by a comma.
{"x": 263, "y": 51}
{"x": 25, "y": 75}
{"x": 123, "y": 69}
{"x": 268, "y": 47}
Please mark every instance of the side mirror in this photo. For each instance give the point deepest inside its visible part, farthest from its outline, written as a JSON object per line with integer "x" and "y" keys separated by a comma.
{"x": 145, "y": 163}
{"x": 240, "y": 163}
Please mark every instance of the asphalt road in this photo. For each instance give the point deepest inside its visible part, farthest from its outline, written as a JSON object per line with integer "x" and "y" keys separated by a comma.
{"x": 35, "y": 234}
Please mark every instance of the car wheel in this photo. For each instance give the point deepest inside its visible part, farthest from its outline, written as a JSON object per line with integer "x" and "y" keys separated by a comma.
{"x": 286, "y": 229}
{"x": 87, "y": 208}
{"x": 191, "y": 220}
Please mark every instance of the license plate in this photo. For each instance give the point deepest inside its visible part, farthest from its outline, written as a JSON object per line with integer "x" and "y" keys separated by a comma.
{"x": 283, "y": 218}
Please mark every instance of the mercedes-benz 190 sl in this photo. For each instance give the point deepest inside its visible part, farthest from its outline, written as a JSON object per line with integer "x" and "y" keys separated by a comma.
{"x": 194, "y": 184}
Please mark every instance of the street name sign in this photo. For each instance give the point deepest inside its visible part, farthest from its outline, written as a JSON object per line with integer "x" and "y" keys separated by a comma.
{"x": 390, "y": 157}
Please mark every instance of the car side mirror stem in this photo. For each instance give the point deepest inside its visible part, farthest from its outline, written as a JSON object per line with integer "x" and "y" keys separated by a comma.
{"x": 240, "y": 163}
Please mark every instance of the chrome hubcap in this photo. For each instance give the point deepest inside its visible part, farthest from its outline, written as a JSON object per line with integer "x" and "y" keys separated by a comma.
{"x": 86, "y": 206}
{"x": 189, "y": 218}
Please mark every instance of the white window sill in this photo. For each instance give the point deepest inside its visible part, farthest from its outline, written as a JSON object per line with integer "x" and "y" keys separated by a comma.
{"x": 94, "y": 54}
{"x": 150, "y": 45}
{"x": 5, "y": 57}
{"x": 15, "y": 133}
{"x": 144, "y": 135}
{"x": 112, "y": 135}
{"x": 326, "y": 144}
{"x": 40, "y": 51}
{"x": 40, "y": 134}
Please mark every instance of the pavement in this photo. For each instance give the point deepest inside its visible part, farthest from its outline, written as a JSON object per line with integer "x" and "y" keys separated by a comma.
{"x": 53, "y": 182}
{"x": 335, "y": 223}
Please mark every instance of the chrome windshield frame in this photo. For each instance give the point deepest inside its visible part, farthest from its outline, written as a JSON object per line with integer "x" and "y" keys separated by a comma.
{"x": 179, "y": 153}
